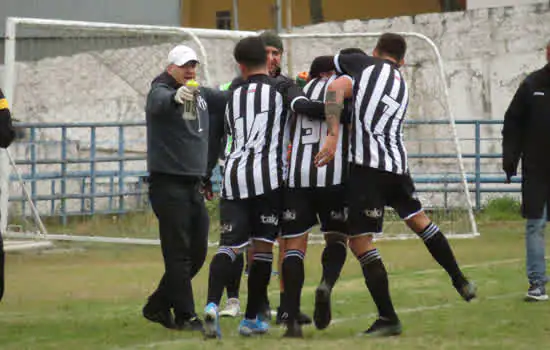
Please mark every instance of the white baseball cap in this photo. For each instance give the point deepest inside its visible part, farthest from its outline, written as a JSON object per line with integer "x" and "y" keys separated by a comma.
{"x": 181, "y": 55}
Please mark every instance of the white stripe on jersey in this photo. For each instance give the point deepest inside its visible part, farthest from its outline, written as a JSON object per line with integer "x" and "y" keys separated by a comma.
{"x": 356, "y": 150}
{"x": 274, "y": 143}
{"x": 306, "y": 161}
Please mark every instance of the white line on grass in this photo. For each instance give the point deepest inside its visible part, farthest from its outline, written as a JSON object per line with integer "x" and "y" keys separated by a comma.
{"x": 426, "y": 308}
{"x": 471, "y": 266}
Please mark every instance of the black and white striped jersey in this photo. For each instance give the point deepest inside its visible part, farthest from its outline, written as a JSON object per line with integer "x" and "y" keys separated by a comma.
{"x": 256, "y": 117}
{"x": 380, "y": 100}
{"x": 309, "y": 136}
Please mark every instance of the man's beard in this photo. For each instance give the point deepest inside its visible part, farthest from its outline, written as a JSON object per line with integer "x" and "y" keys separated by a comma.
{"x": 275, "y": 72}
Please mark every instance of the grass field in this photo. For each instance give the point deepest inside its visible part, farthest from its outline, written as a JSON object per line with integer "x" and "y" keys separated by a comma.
{"x": 89, "y": 296}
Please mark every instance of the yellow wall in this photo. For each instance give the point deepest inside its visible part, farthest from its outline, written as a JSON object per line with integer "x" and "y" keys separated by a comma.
{"x": 258, "y": 14}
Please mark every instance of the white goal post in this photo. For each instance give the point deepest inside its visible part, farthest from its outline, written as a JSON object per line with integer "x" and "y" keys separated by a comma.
{"x": 211, "y": 73}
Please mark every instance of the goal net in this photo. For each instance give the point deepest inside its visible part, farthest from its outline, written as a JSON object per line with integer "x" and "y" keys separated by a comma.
{"x": 78, "y": 88}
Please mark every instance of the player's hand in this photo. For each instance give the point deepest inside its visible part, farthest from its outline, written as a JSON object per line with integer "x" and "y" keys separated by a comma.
{"x": 301, "y": 79}
{"x": 184, "y": 94}
{"x": 207, "y": 191}
{"x": 326, "y": 154}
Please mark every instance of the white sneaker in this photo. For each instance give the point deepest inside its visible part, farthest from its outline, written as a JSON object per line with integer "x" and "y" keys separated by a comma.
{"x": 232, "y": 308}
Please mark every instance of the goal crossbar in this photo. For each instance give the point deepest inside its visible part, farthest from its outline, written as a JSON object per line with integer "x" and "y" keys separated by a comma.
{"x": 196, "y": 34}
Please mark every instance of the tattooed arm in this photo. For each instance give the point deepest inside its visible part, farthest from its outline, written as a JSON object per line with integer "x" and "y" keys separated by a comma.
{"x": 337, "y": 91}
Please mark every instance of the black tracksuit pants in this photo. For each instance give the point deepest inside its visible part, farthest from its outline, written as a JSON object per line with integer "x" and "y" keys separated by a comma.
{"x": 183, "y": 227}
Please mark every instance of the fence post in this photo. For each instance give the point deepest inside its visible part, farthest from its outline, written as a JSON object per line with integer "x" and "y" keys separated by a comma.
{"x": 478, "y": 163}
{"x": 92, "y": 169}
{"x": 33, "y": 164}
{"x": 121, "y": 168}
{"x": 63, "y": 175}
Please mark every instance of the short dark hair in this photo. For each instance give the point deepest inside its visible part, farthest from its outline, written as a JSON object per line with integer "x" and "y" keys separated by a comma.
{"x": 250, "y": 52}
{"x": 351, "y": 51}
{"x": 271, "y": 38}
{"x": 321, "y": 64}
{"x": 393, "y": 45}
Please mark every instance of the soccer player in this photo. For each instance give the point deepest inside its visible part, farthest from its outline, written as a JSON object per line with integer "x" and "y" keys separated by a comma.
{"x": 315, "y": 193}
{"x": 274, "y": 50}
{"x": 250, "y": 207}
{"x": 379, "y": 174}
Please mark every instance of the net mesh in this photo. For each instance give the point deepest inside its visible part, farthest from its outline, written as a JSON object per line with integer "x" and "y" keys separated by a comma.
{"x": 82, "y": 177}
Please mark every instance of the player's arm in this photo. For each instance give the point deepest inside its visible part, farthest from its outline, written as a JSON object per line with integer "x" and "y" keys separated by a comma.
{"x": 7, "y": 132}
{"x": 337, "y": 91}
{"x": 513, "y": 130}
{"x": 296, "y": 100}
{"x": 160, "y": 100}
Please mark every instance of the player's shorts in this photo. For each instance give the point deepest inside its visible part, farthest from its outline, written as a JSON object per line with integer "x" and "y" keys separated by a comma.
{"x": 255, "y": 218}
{"x": 304, "y": 208}
{"x": 370, "y": 190}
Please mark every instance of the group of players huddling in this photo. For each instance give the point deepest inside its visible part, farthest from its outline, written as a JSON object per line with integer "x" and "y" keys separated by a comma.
{"x": 347, "y": 163}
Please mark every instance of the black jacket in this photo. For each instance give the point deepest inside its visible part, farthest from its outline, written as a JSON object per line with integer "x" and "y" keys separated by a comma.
{"x": 7, "y": 132}
{"x": 526, "y": 132}
{"x": 178, "y": 135}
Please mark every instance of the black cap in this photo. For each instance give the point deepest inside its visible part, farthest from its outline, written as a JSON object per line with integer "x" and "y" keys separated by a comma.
{"x": 321, "y": 64}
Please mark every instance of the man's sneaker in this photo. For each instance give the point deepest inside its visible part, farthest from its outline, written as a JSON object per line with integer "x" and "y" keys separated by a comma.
{"x": 536, "y": 292}
{"x": 232, "y": 308}
{"x": 293, "y": 330}
{"x": 249, "y": 328}
{"x": 384, "y": 328}
{"x": 159, "y": 315}
{"x": 467, "y": 290}
{"x": 192, "y": 324}
{"x": 322, "y": 314}
{"x": 212, "y": 321}
{"x": 281, "y": 317}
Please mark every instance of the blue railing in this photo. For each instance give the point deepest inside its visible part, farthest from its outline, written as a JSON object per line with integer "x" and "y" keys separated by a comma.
{"x": 98, "y": 168}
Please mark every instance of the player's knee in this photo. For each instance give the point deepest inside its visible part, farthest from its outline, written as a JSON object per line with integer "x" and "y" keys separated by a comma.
{"x": 336, "y": 238}
{"x": 262, "y": 246}
{"x": 295, "y": 243}
{"x": 418, "y": 221}
{"x": 361, "y": 244}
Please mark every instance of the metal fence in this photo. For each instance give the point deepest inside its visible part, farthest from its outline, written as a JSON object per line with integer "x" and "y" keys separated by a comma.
{"x": 100, "y": 168}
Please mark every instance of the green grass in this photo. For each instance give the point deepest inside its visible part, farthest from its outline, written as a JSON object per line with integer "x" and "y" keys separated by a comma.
{"x": 89, "y": 296}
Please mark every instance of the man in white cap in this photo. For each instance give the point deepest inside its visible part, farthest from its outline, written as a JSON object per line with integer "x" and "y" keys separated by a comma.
{"x": 181, "y": 118}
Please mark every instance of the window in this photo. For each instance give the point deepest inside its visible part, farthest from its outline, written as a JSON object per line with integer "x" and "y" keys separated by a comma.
{"x": 223, "y": 19}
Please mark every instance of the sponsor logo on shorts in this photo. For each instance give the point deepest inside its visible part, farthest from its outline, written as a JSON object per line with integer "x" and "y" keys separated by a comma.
{"x": 226, "y": 228}
{"x": 341, "y": 215}
{"x": 289, "y": 215}
{"x": 269, "y": 220}
{"x": 373, "y": 213}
